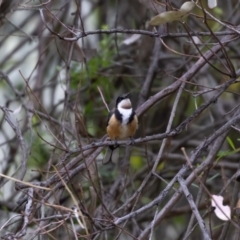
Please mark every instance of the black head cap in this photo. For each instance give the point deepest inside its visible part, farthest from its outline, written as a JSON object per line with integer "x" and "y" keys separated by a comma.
{"x": 120, "y": 98}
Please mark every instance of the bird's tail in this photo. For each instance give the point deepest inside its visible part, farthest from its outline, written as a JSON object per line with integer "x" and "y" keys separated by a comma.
{"x": 112, "y": 154}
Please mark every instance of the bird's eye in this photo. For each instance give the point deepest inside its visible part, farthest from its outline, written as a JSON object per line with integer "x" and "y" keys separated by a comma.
{"x": 119, "y": 99}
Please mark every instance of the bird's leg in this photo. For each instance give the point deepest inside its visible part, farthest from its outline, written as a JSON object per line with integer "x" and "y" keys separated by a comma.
{"x": 112, "y": 147}
{"x": 115, "y": 144}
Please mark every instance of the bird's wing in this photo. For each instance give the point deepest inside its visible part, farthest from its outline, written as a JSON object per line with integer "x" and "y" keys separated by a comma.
{"x": 109, "y": 115}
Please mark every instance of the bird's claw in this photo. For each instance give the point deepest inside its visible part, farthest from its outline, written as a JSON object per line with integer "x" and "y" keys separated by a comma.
{"x": 115, "y": 144}
{"x": 132, "y": 141}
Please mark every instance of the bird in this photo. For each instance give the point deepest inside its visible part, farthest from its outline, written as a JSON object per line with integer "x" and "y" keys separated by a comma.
{"x": 122, "y": 123}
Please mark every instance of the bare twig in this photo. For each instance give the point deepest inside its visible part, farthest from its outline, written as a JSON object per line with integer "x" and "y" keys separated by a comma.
{"x": 100, "y": 91}
{"x": 194, "y": 208}
{"x": 23, "y": 146}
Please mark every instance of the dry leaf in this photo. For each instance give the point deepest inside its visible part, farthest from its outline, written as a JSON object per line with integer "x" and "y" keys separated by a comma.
{"x": 187, "y": 7}
{"x": 77, "y": 217}
{"x": 131, "y": 39}
{"x": 221, "y": 211}
{"x": 196, "y": 40}
{"x": 212, "y": 3}
{"x": 18, "y": 109}
{"x": 171, "y": 16}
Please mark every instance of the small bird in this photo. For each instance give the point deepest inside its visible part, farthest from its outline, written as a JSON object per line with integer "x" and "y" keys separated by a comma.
{"x": 122, "y": 123}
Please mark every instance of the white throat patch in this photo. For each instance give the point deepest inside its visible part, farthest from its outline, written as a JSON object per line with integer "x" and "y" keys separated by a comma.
{"x": 125, "y": 103}
{"x": 126, "y": 113}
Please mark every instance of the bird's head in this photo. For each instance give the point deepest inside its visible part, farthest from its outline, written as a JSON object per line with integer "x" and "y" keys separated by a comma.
{"x": 123, "y": 101}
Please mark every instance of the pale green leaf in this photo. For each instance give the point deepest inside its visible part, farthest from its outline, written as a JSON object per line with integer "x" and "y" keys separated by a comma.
{"x": 171, "y": 16}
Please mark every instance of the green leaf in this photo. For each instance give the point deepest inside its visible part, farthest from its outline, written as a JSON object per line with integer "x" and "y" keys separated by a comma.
{"x": 171, "y": 16}
{"x": 136, "y": 162}
{"x": 213, "y": 177}
{"x": 160, "y": 166}
{"x": 230, "y": 142}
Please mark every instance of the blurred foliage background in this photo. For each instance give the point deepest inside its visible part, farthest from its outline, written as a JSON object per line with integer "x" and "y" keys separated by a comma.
{"x": 57, "y": 58}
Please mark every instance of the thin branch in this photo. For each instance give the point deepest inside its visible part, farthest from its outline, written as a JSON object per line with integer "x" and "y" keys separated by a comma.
{"x": 130, "y": 31}
{"x": 100, "y": 91}
{"x": 194, "y": 208}
{"x": 23, "y": 146}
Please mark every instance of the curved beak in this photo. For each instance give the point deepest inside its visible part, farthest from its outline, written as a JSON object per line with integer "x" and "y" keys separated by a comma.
{"x": 126, "y": 95}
